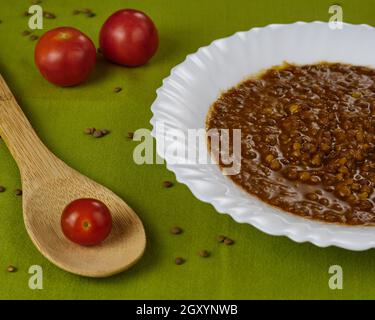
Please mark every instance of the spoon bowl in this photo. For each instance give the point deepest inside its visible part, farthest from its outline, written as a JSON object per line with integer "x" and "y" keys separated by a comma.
{"x": 123, "y": 247}
{"x": 49, "y": 185}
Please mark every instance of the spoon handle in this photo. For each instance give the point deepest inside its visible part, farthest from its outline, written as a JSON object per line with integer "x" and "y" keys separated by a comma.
{"x": 26, "y": 148}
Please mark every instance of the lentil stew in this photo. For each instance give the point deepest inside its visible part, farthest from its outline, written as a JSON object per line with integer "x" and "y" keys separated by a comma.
{"x": 307, "y": 139}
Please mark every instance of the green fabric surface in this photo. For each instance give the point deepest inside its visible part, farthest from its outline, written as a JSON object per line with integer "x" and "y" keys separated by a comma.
{"x": 257, "y": 266}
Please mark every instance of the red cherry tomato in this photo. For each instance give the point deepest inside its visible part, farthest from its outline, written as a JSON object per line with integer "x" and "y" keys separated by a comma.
{"x": 65, "y": 56}
{"x": 129, "y": 37}
{"x": 86, "y": 222}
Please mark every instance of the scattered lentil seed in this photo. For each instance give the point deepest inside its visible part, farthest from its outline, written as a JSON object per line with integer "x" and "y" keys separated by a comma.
{"x": 26, "y": 14}
{"x": 179, "y": 261}
{"x": 117, "y": 89}
{"x": 228, "y": 242}
{"x": 34, "y": 37}
{"x": 89, "y": 131}
{"x": 97, "y": 134}
{"x": 105, "y": 132}
{"x": 167, "y": 184}
{"x": 11, "y": 269}
{"x": 26, "y": 33}
{"x": 90, "y": 15}
{"x": 2, "y": 189}
{"x": 76, "y": 12}
{"x": 131, "y": 135}
{"x": 18, "y": 192}
{"x": 204, "y": 254}
{"x": 221, "y": 238}
{"x": 176, "y": 230}
{"x": 49, "y": 15}
{"x": 86, "y": 10}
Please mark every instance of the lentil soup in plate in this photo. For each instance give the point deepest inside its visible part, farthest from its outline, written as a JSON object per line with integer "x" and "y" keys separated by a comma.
{"x": 307, "y": 139}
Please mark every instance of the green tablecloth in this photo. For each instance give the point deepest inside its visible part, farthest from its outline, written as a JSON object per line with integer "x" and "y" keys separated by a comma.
{"x": 257, "y": 266}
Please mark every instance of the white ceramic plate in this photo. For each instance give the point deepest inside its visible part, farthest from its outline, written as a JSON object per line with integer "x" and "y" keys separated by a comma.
{"x": 186, "y": 95}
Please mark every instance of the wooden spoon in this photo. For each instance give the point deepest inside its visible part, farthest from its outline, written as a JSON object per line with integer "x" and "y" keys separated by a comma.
{"x": 49, "y": 185}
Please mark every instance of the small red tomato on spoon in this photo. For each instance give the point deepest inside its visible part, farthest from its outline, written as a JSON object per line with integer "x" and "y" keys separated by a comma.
{"x": 87, "y": 222}
{"x": 65, "y": 56}
{"x": 129, "y": 37}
